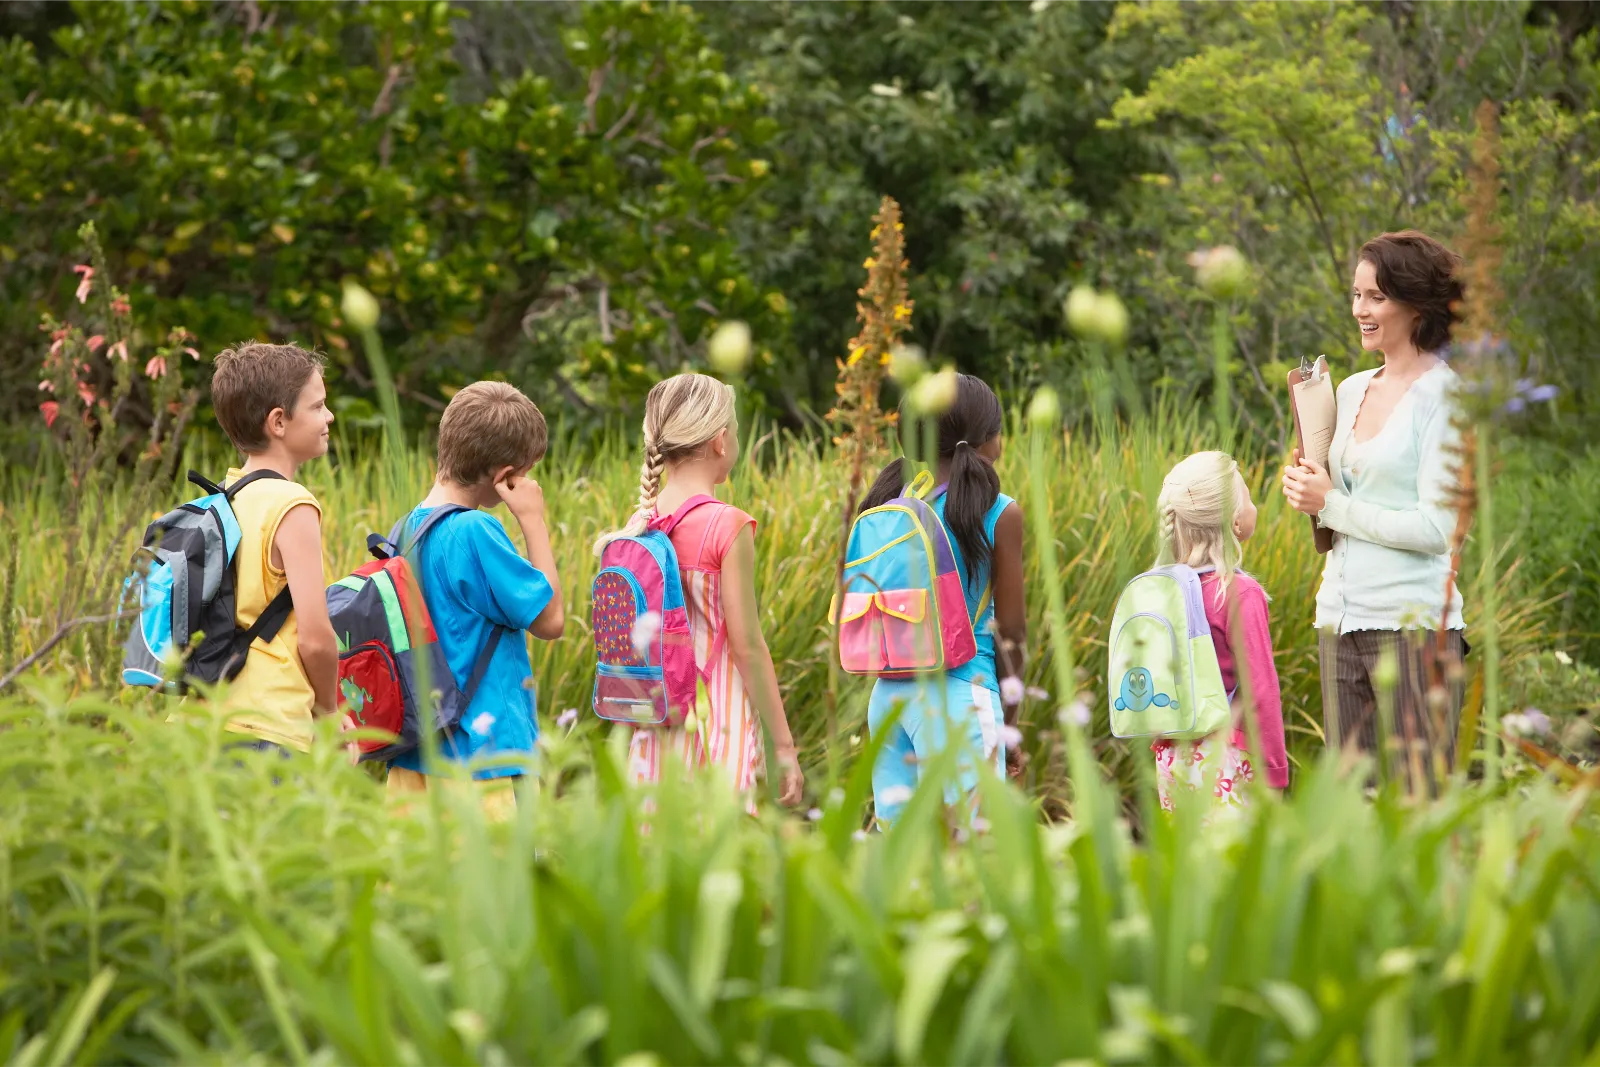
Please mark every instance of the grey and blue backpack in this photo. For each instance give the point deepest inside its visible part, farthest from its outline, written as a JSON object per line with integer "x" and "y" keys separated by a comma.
{"x": 183, "y": 583}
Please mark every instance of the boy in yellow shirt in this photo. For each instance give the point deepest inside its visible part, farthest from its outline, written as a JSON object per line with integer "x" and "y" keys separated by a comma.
{"x": 271, "y": 403}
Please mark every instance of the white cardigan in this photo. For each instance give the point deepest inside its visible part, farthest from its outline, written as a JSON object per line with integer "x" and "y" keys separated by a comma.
{"x": 1390, "y": 516}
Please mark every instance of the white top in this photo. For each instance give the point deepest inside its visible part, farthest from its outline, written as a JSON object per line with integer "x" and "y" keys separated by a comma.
{"x": 1389, "y": 512}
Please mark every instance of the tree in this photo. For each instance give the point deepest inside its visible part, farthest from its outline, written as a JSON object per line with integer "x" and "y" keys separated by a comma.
{"x": 241, "y": 160}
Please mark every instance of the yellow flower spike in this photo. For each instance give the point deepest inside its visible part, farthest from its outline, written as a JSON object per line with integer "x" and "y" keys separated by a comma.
{"x": 870, "y": 263}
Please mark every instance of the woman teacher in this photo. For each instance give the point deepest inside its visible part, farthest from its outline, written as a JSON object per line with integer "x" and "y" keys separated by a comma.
{"x": 1384, "y": 496}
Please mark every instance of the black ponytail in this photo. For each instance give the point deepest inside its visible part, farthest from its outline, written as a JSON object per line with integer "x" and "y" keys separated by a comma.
{"x": 971, "y": 421}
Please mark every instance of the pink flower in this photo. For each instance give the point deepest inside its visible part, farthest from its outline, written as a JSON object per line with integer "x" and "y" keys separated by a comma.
{"x": 1011, "y": 690}
{"x": 86, "y": 284}
{"x": 119, "y": 306}
{"x": 96, "y": 342}
{"x": 49, "y": 409}
{"x": 120, "y": 350}
{"x": 86, "y": 393}
{"x": 156, "y": 368}
{"x": 47, "y": 386}
{"x": 57, "y": 339}
{"x": 192, "y": 352}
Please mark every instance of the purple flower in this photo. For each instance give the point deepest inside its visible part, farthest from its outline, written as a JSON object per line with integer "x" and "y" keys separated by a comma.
{"x": 1524, "y": 384}
{"x": 1540, "y": 393}
{"x": 1515, "y": 405}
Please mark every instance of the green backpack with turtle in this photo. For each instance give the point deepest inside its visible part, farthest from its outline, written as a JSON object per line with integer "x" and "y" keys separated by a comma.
{"x": 1162, "y": 675}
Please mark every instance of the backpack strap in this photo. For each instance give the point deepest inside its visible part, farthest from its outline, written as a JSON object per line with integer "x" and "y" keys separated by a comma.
{"x": 266, "y": 627}
{"x": 254, "y": 476}
{"x": 399, "y": 545}
{"x": 667, "y": 523}
{"x": 480, "y": 667}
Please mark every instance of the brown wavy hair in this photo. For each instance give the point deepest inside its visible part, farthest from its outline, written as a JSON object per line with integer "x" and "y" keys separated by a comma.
{"x": 1425, "y": 276}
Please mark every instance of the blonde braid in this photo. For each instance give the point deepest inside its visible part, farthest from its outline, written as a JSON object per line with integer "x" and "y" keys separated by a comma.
{"x": 681, "y": 414}
{"x": 650, "y": 479}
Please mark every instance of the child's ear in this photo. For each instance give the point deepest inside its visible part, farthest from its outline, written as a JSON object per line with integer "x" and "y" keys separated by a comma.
{"x": 275, "y": 422}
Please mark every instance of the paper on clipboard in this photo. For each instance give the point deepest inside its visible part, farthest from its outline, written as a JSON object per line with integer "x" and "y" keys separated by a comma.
{"x": 1311, "y": 398}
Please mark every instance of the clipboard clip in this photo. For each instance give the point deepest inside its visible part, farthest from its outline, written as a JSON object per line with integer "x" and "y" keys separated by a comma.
{"x": 1312, "y": 370}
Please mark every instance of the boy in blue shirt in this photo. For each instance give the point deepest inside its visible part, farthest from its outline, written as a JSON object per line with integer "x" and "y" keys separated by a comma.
{"x": 474, "y": 580}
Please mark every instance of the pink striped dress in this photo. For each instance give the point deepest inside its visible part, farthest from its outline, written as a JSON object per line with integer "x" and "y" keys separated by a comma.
{"x": 729, "y": 735}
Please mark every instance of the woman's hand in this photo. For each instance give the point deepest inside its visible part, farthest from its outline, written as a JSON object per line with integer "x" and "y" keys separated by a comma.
{"x": 1306, "y": 483}
{"x": 794, "y": 782}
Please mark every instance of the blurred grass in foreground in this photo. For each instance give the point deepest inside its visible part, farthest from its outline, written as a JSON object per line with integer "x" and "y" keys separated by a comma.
{"x": 163, "y": 900}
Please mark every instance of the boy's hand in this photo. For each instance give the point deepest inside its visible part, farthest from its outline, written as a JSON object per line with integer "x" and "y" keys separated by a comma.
{"x": 521, "y": 494}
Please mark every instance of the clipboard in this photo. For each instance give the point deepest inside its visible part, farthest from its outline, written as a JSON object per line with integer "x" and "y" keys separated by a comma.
{"x": 1311, "y": 388}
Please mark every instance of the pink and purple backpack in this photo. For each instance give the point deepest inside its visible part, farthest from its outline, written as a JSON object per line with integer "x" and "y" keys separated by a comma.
{"x": 645, "y": 671}
{"x": 904, "y": 611}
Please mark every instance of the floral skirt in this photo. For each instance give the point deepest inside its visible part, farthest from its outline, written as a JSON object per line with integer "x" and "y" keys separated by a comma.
{"x": 1213, "y": 764}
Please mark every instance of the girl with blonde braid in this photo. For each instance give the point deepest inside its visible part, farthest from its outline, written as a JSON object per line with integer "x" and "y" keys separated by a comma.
{"x": 1200, "y": 527}
{"x": 690, "y": 444}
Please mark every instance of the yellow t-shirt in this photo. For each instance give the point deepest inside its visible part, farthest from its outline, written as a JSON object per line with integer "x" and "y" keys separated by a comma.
{"x": 271, "y": 699}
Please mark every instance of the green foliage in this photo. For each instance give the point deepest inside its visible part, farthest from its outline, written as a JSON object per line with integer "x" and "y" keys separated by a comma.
{"x": 164, "y": 899}
{"x": 242, "y": 161}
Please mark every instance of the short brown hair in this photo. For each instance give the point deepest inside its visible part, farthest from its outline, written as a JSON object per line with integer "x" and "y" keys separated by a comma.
{"x": 1422, "y": 274}
{"x": 486, "y": 426}
{"x": 250, "y": 380}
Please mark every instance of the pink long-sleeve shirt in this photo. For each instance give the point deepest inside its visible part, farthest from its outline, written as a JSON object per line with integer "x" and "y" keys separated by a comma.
{"x": 1255, "y": 640}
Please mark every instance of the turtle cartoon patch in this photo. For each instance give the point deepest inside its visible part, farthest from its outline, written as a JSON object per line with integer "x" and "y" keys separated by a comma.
{"x": 1138, "y": 691}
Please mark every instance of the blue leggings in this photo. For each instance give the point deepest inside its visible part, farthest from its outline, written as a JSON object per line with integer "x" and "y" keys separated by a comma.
{"x": 926, "y": 721}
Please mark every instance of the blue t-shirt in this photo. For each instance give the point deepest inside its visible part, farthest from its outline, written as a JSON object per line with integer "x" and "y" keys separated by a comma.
{"x": 473, "y": 579}
{"x": 981, "y": 669}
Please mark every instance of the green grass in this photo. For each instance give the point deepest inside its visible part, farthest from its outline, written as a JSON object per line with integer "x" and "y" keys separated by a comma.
{"x": 1100, "y": 505}
{"x": 160, "y": 902}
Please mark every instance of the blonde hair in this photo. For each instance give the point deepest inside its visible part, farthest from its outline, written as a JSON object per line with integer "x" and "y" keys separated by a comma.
{"x": 486, "y": 426}
{"x": 681, "y": 414}
{"x": 1199, "y": 498}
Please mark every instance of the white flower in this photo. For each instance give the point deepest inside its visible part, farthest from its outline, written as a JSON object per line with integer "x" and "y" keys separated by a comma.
{"x": 860, "y": 835}
{"x": 907, "y": 364}
{"x": 729, "y": 349}
{"x": 482, "y": 724}
{"x": 1010, "y": 737}
{"x": 1530, "y": 722}
{"x": 1221, "y": 271}
{"x": 567, "y": 718}
{"x": 815, "y": 814}
{"x": 895, "y": 794}
{"x": 934, "y": 394}
{"x": 1563, "y": 659}
{"x": 1011, "y": 690}
{"x": 359, "y": 306}
{"x": 1077, "y": 713}
{"x": 1035, "y": 693}
{"x": 879, "y": 89}
{"x": 645, "y": 629}
{"x": 980, "y": 825}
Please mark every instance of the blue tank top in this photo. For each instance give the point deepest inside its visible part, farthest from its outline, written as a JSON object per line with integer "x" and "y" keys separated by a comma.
{"x": 981, "y": 669}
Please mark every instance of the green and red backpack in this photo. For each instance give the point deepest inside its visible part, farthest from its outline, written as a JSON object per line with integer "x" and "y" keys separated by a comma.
{"x": 382, "y": 623}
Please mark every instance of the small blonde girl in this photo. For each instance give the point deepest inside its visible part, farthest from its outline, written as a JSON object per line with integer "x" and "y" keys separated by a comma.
{"x": 690, "y": 444}
{"x": 1206, "y": 515}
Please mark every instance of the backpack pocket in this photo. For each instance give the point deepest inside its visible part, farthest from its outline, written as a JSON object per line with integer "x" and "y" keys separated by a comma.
{"x": 630, "y": 694}
{"x": 371, "y": 693}
{"x": 150, "y": 638}
{"x": 1146, "y": 678}
{"x": 888, "y": 632}
{"x": 618, "y": 602}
